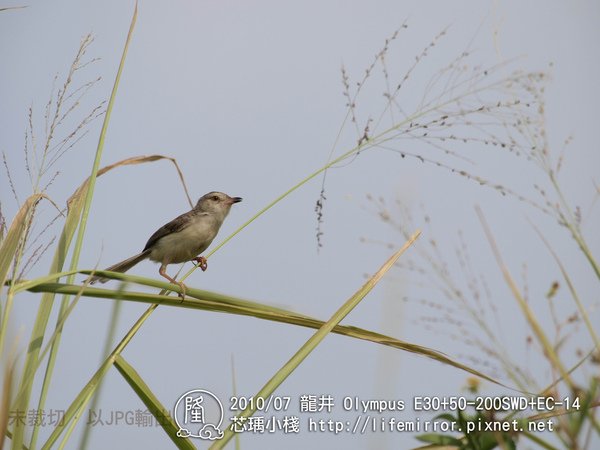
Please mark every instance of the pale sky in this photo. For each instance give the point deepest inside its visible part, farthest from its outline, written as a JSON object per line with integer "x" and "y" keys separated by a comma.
{"x": 248, "y": 98}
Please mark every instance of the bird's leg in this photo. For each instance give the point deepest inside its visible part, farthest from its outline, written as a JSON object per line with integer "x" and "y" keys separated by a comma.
{"x": 163, "y": 272}
{"x": 202, "y": 262}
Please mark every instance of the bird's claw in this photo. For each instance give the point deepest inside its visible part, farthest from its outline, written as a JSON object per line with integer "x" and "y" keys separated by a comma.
{"x": 183, "y": 289}
{"x": 202, "y": 262}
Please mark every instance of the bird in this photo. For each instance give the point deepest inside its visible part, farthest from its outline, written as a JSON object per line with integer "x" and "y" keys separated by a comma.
{"x": 182, "y": 239}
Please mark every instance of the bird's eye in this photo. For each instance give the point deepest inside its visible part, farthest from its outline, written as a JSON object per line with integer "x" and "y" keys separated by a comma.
{"x": 215, "y": 198}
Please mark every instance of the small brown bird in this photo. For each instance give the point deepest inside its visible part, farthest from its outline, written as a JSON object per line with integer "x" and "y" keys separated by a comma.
{"x": 183, "y": 238}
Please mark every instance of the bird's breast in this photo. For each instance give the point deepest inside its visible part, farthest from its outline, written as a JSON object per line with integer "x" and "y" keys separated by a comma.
{"x": 185, "y": 244}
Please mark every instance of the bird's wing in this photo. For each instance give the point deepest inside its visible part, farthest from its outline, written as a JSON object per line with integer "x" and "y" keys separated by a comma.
{"x": 174, "y": 226}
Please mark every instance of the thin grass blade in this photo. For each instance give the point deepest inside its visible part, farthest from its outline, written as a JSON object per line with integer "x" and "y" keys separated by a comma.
{"x": 87, "y": 195}
{"x": 152, "y": 403}
{"x": 316, "y": 339}
{"x": 210, "y": 301}
{"x": 15, "y": 234}
{"x": 75, "y": 409}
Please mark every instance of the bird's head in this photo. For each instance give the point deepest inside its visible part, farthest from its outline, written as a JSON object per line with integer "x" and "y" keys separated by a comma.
{"x": 216, "y": 203}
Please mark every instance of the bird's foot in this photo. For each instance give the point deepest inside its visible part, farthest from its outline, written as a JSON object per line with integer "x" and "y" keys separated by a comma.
{"x": 183, "y": 289}
{"x": 202, "y": 262}
{"x": 163, "y": 272}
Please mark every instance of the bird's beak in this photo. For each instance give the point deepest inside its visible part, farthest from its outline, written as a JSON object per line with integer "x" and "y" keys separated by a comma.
{"x": 235, "y": 200}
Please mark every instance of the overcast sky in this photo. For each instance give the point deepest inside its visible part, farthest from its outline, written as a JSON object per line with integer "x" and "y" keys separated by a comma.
{"x": 248, "y": 98}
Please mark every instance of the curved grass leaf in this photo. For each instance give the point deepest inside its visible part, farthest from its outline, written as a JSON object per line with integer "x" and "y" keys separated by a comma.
{"x": 10, "y": 243}
{"x": 75, "y": 410}
{"x": 81, "y": 199}
{"x": 312, "y": 343}
{"x": 152, "y": 403}
{"x": 211, "y": 301}
{"x": 8, "y": 253}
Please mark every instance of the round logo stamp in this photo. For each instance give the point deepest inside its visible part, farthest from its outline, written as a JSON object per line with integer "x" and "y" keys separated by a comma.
{"x": 199, "y": 413}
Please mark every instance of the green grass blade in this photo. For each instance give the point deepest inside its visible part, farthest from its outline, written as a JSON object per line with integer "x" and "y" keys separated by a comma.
{"x": 152, "y": 403}
{"x": 5, "y": 395}
{"x": 27, "y": 380}
{"x": 89, "y": 193}
{"x": 209, "y": 301}
{"x": 108, "y": 345}
{"x": 317, "y": 338}
{"x": 27, "y": 285}
{"x": 8, "y": 253}
{"x": 8, "y": 249}
{"x": 75, "y": 409}
{"x": 74, "y": 208}
{"x": 10, "y": 243}
{"x": 212, "y": 302}
{"x": 96, "y": 165}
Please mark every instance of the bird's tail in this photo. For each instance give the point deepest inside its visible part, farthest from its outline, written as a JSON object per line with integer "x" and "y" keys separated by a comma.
{"x": 122, "y": 266}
